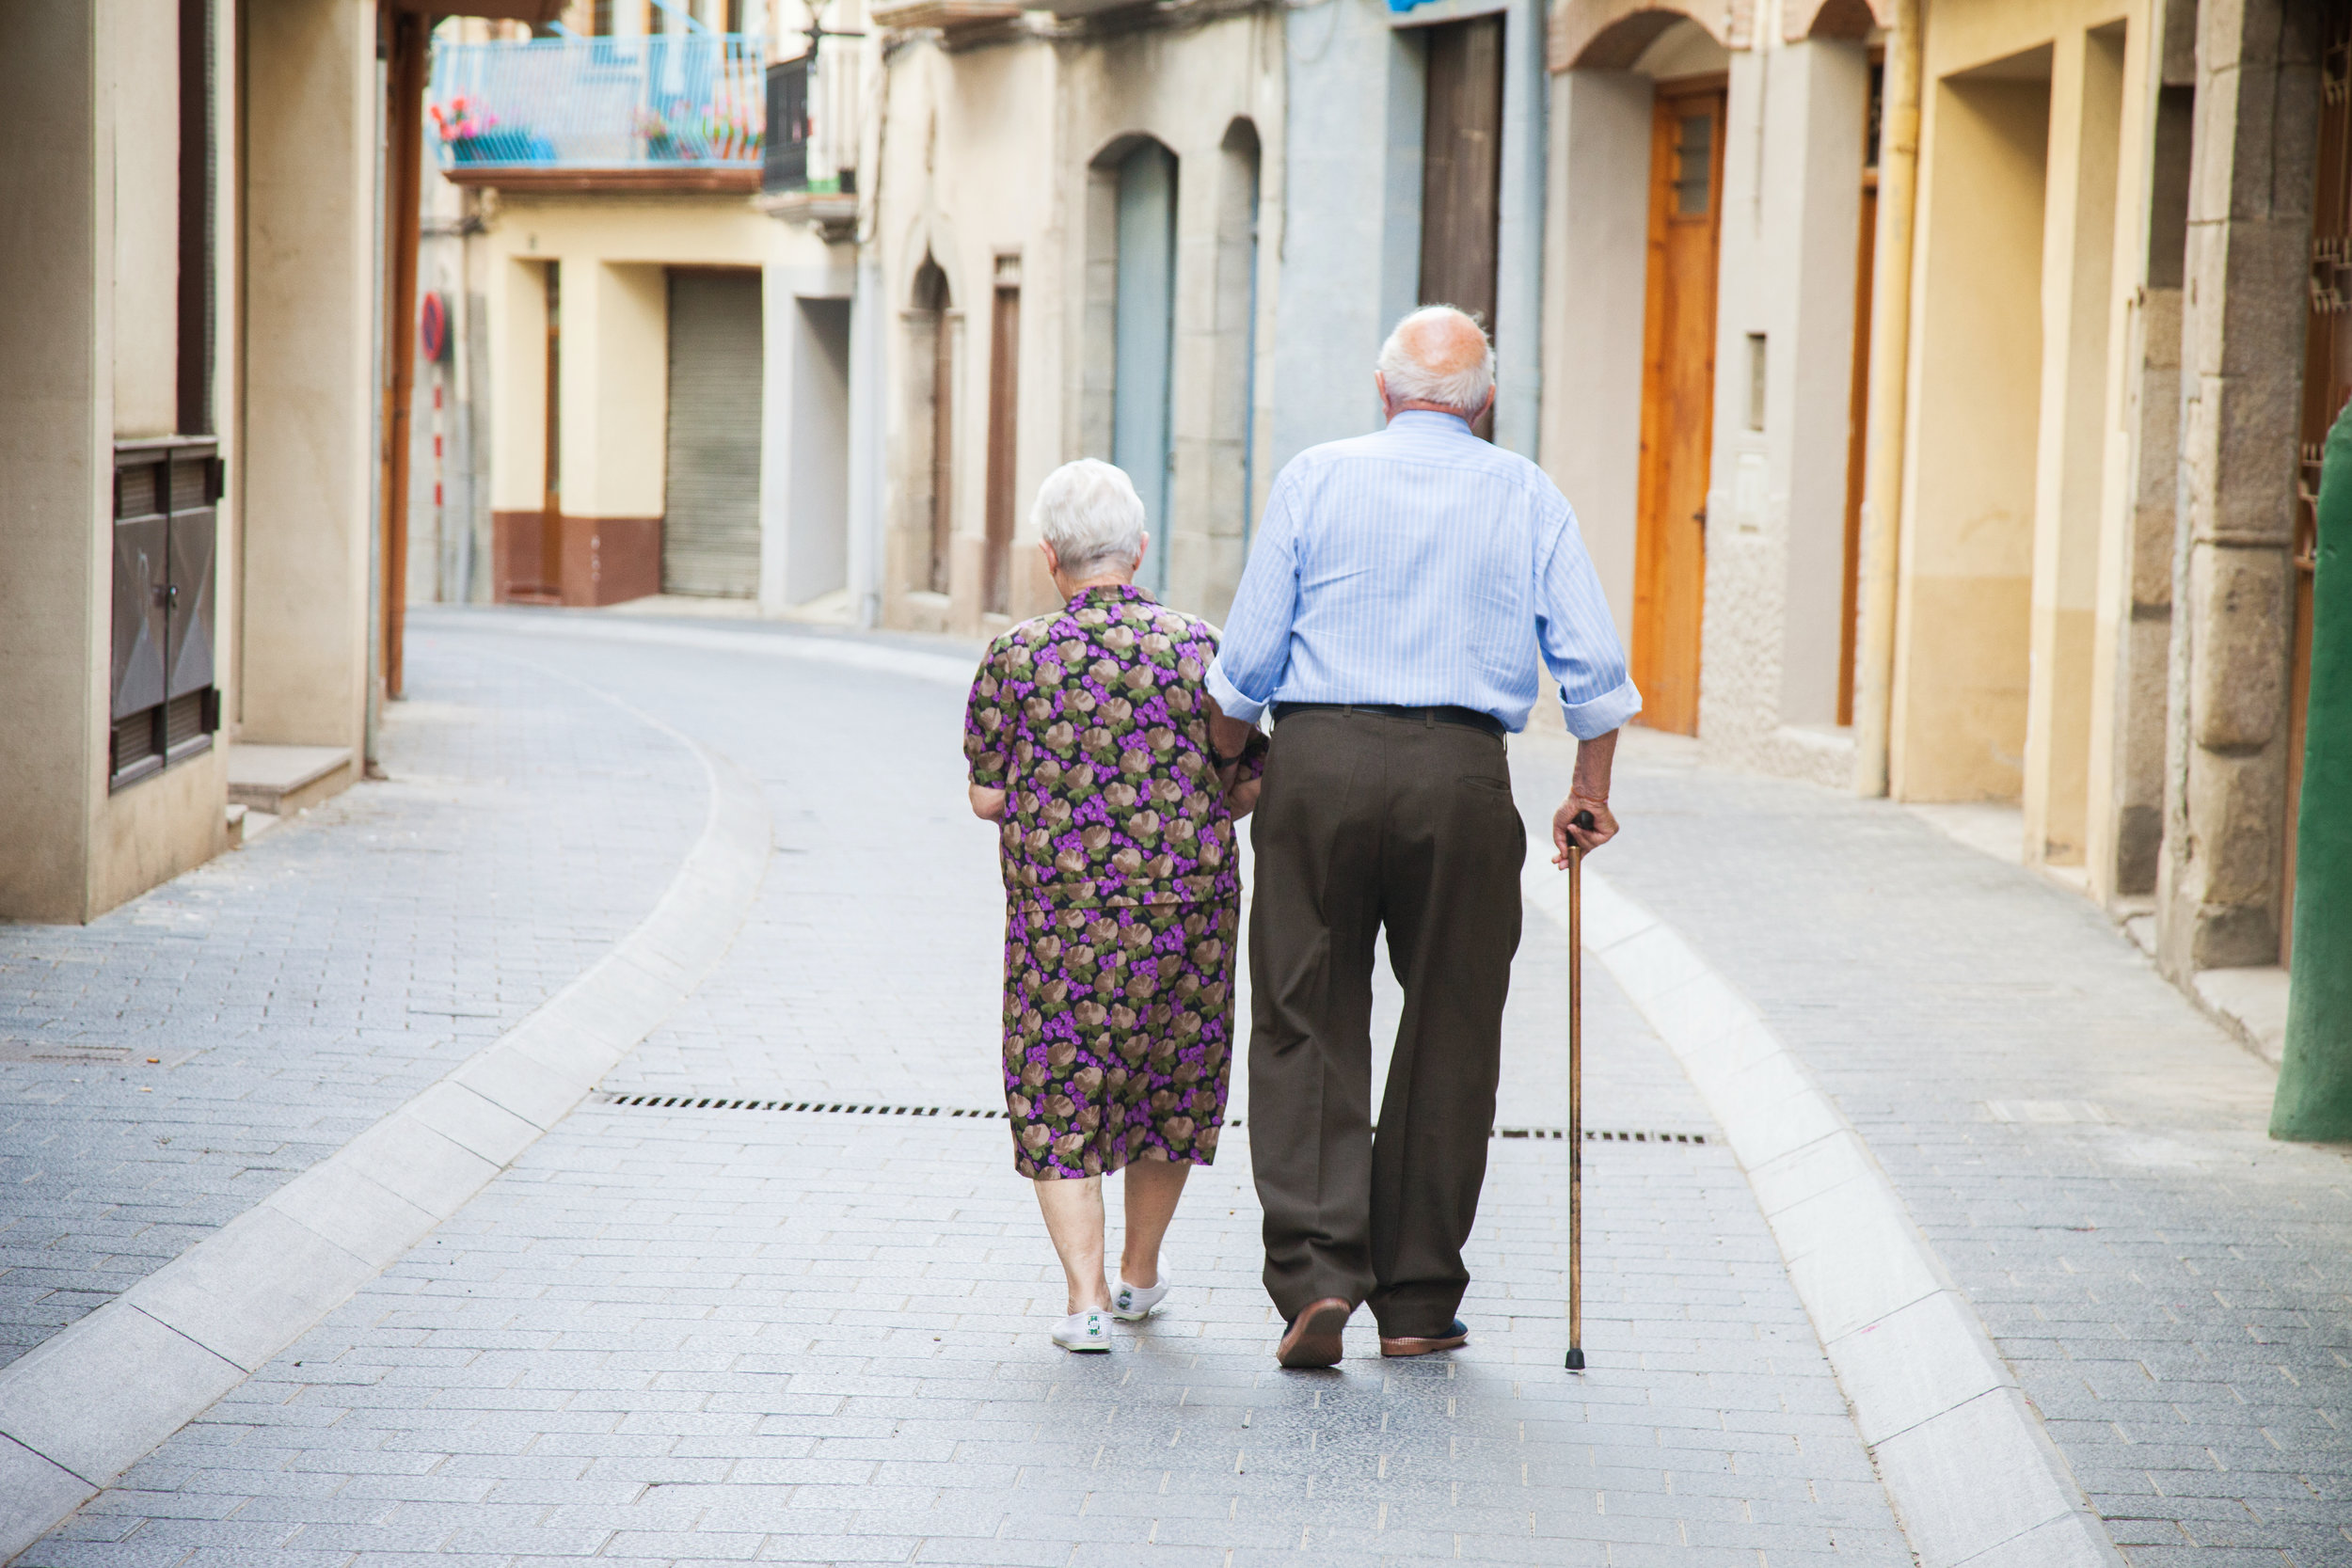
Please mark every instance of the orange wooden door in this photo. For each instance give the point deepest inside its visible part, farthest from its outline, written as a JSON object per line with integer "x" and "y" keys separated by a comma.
{"x": 1678, "y": 402}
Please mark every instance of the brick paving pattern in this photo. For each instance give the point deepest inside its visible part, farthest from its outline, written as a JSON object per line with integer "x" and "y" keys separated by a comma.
{"x": 711, "y": 1335}
{"x": 2169, "y": 1285}
{"x": 299, "y": 989}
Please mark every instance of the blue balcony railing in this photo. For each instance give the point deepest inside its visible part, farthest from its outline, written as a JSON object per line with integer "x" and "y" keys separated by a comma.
{"x": 675, "y": 101}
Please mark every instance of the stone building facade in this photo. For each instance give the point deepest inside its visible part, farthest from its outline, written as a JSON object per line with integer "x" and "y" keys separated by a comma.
{"x": 185, "y": 536}
{"x": 2114, "y": 357}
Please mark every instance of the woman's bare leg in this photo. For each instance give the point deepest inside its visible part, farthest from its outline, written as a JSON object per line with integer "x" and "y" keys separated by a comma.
{"x": 1152, "y": 1188}
{"x": 1073, "y": 1218}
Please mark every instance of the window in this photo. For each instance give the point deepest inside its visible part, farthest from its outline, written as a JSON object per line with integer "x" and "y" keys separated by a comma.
{"x": 1756, "y": 381}
{"x": 1694, "y": 165}
{"x": 164, "y": 705}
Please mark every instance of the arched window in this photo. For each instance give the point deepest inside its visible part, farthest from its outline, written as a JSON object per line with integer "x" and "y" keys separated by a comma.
{"x": 1146, "y": 319}
{"x": 1237, "y": 328}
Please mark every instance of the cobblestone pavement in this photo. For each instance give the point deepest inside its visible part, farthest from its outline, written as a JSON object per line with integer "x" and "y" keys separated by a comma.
{"x": 171, "y": 1064}
{"x": 686, "y": 1336}
{"x": 2085, "y": 1151}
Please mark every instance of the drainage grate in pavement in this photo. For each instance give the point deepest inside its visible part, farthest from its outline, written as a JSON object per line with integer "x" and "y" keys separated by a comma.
{"x": 39, "y": 1051}
{"x": 821, "y": 1107}
{"x": 1594, "y": 1134}
{"x": 717, "y": 1102}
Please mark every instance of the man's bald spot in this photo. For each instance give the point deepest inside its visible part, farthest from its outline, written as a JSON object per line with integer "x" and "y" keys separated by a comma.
{"x": 1443, "y": 341}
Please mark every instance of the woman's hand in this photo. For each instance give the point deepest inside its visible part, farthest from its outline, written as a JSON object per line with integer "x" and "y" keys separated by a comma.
{"x": 987, "y": 804}
{"x": 1241, "y": 799}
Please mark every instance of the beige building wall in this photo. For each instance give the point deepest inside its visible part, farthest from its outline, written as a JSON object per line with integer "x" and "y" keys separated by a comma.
{"x": 1957, "y": 732}
{"x": 2082, "y": 309}
{"x": 2031, "y": 163}
{"x": 309, "y": 236}
{"x": 89, "y": 290}
{"x": 1776, "y": 503}
{"x": 55, "y": 446}
{"x": 143, "y": 54}
{"x": 1012, "y": 161}
{"x": 612, "y": 254}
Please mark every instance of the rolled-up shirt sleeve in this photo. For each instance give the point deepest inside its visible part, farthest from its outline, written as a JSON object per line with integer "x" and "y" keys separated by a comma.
{"x": 1248, "y": 666}
{"x": 1577, "y": 637}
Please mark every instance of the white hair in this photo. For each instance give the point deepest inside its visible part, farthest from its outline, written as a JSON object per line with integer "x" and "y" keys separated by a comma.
{"x": 1089, "y": 513}
{"x": 1410, "y": 380}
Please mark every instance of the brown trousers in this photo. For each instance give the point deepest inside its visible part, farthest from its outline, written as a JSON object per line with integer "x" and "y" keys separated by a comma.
{"x": 1368, "y": 821}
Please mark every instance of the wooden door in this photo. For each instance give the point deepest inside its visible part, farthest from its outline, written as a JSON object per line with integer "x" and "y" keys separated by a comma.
{"x": 1677, "y": 400}
{"x": 1004, "y": 411}
{"x": 2327, "y": 386}
{"x": 1462, "y": 170}
{"x": 549, "y": 589}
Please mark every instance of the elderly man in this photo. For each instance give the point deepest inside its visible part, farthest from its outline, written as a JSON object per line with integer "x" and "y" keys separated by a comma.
{"x": 1402, "y": 588}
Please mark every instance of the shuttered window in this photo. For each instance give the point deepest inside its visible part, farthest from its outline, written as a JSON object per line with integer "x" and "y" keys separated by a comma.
{"x": 164, "y": 706}
{"x": 710, "y": 526}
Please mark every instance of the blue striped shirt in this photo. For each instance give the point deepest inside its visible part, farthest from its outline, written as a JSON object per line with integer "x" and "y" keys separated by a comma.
{"x": 1421, "y": 566}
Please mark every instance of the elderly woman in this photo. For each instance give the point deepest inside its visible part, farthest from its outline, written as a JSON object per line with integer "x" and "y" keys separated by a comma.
{"x": 1087, "y": 735}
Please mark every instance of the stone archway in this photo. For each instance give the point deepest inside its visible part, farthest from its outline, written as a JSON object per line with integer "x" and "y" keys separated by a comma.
{"x": 1610, "y": 35}
{"x": 1834, "y": 19}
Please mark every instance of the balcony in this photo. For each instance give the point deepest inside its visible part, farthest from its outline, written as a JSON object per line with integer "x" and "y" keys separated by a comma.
{"x": 808, "y": 174}
{"x": 947, "y": 15}
{"x": 678, "y": 112}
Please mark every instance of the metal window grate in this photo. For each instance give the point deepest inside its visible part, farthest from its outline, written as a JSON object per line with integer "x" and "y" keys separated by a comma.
{"x": 824, "y": 1107}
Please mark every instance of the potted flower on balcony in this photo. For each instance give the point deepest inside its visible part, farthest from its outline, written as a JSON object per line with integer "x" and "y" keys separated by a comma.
{"x": 654, "y": 129}
{"x": 465, "y": 127}
{"x": 734, "y": 130}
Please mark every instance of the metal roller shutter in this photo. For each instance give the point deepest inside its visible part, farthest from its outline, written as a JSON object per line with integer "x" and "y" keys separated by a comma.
{"x": 710, "y": 529}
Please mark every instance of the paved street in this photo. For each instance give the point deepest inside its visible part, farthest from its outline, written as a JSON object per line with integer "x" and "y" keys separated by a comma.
{"x": 672, "y": 1336}
{"x": 291, "y": 993}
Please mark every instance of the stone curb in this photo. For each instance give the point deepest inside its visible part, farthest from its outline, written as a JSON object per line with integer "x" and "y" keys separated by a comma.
{"x": 90, "y": 1401}
{"x": 1974, "y": 1477}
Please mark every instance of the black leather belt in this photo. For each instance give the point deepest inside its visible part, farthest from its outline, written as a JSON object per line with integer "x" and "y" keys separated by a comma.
{"x": 1470, "y": 718}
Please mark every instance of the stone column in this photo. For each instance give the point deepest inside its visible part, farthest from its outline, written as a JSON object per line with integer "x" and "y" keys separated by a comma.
{"x": 2242, "y": 341}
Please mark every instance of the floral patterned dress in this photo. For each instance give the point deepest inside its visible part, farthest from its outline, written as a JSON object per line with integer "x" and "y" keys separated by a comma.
{"x": 1121, "y": 886}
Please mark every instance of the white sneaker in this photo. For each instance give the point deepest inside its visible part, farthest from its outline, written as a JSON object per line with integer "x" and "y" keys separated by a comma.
{"x": 1089, "y": 1330}
{"x": 1133, "y": 1303}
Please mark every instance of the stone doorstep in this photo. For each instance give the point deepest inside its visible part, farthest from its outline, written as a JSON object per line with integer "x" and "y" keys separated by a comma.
{"x": 246, "y": 824}
{"x": 284, "y": 779}
{"x": 2251, "y": 1003}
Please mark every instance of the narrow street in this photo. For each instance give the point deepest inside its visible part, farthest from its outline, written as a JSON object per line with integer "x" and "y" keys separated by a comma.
{"x": 806, "y": 1320}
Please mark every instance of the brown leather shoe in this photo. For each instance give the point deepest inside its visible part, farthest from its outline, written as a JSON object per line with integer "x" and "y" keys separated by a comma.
{"x": 1314, "y": 1335}
{"x": 1455, "y": 1336}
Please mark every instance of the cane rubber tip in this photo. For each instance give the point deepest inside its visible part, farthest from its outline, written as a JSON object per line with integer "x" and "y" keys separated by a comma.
{"x": 1575, "y": 1360}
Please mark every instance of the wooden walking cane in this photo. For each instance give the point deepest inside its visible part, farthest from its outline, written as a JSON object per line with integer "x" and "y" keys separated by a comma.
{"x": 1576, "y": 1097}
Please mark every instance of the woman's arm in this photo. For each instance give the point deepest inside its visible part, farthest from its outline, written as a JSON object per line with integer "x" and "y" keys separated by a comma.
{"x": 987, "y": 804}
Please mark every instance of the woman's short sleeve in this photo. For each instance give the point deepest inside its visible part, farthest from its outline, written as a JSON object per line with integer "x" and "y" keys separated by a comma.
{"x": 988, "y": 724}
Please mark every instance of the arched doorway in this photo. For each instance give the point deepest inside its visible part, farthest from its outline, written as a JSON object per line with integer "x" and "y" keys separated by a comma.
{"x": 931, "y": 364}
{"x": 1144, "y": 322}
